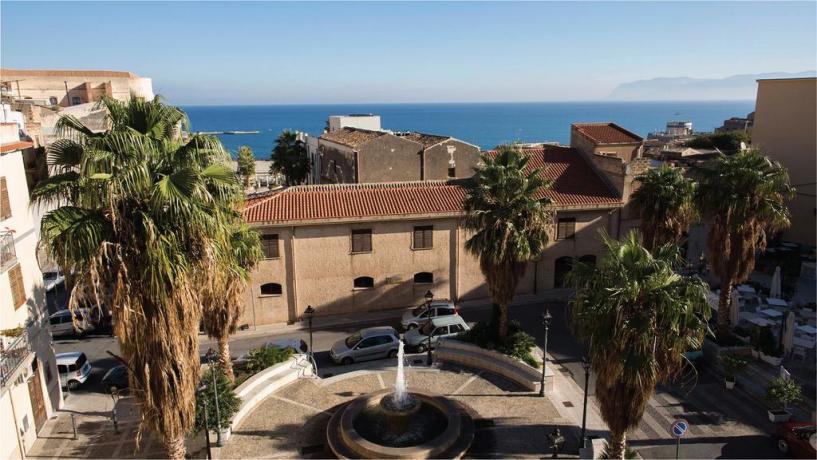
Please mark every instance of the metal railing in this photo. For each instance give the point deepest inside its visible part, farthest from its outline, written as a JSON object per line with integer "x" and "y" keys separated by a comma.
{"x": 12, "y": 355}
{"x": 8, "y": 256}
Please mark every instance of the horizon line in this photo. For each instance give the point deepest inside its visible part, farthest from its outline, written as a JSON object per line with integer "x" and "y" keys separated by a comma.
{"x": 592, "y": 101}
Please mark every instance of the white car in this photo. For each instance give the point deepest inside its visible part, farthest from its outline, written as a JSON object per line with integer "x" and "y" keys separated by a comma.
{"x": 52, "y": 280}
{"x": 73, "y": 368}
{"x": 418, "y": 316}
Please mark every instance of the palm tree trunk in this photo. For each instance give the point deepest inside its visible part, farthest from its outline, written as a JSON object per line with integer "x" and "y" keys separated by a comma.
{"x": 723, "y": 309}
{"x": 502, "y": 327}
{"x": 224, "y": 357}
{"x": 174, "y": 447}
{"x": 618, "y": 444}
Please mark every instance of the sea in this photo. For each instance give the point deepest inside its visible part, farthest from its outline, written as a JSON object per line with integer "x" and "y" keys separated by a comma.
{"x": 483, "y": 124}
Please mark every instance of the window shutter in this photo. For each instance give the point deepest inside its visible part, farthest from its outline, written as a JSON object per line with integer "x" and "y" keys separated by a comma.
{"x": 18, "y": 290}
{"x": 5, "y": 204}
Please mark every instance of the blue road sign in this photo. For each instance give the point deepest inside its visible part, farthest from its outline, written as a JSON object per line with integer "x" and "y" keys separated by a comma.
{"x": 679, "y": 428}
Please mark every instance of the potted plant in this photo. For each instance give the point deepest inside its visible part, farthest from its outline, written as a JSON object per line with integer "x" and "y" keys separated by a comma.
{"x": 732, "y": 365}
{"x": 780, "y": 393}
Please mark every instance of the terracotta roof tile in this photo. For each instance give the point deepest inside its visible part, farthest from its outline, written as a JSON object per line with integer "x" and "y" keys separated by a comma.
{"x": 575, "y": 185}
{"x": 5, "y": 148}
{"x": 607, "y": 133}
{"x": 427, "y": 140}
{"x": 352, "y": 137}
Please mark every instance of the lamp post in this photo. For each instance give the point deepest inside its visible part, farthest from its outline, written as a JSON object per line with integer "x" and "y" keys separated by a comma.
{"x": 586, "y": 367}
{"x": 429, "y": 297}
{"x": 210, "y": 354}
{"x": 546, "y": 317}
{"x": 310, "y": 312}
{"x": 206, "y": 421}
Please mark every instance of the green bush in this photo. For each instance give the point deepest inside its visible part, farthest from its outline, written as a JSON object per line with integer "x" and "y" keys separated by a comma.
{"x": 518, "y": 344}
{"x": 782, "y": 391}
{"x": 728, "y": 142}
{"x": 265, "y": 356}
{"x": 228, "y": 402}
{"x": 732, "y": 365}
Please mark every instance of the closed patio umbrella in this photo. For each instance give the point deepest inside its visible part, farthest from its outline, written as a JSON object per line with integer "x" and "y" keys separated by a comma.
{"x": 788, "y": 333}
{"x": 774, "y": 289}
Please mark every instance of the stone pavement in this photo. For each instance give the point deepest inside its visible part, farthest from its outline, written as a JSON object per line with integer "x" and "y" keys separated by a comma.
{"x": 291, "y": 423}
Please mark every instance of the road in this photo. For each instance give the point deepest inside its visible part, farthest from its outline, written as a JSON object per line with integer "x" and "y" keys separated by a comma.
{"x": 723, "y": 427}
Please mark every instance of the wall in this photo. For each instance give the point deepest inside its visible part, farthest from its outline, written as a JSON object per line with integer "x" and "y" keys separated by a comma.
{"x": 40, "y": 87}
{"x": 786, "y": 130}
{"x": 436, "y": 158}
{"x": 389, "y": 158}
{"x": 337, "y": 163}
{"x": 371, "y": 122}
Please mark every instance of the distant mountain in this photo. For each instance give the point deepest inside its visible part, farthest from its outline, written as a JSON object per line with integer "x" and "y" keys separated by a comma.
{"x": 736, "y": 87}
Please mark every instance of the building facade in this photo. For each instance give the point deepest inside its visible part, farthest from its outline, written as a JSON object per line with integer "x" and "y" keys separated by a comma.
{"x": 66, "y": 88}
{"x": 785, "y": 129}
{"x": 29, "y": 383}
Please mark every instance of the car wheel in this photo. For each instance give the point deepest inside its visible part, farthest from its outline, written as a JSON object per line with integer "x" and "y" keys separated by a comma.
{"x": 346, "y": 361}
{"x": 421, "y": 348}
{"x": 392, "y": 353}
{"x": 782, "y": 445}
{"x": 73, "y": 385}
{"x": 411, "y": 326}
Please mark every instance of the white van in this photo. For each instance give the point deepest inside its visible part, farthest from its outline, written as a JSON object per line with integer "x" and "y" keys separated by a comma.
{"x": 62, "y": 324}
{"x": 73, "y": 368}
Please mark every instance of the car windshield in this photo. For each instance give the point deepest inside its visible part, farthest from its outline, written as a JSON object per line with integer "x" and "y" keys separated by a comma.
{"x": 418, "y": 310}
{"x": 50, "y": 275}
{"x": 352, "y": 340}
{"x": 427, "y": 328}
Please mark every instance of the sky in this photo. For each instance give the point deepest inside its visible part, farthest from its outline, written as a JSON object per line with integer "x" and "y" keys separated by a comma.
{"x": 353, "y": 52}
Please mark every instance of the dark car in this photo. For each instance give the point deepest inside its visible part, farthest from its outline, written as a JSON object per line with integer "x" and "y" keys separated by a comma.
{"x": 797, "y": 439}
{"x": 116, "y": 379}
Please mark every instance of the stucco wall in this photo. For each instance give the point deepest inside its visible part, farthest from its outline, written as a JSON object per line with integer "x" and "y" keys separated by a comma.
{"x": 389, "y": 158}
{"x": 337, "y": 163}
{"x": 38, "y": 87}
{"x": 436, "y": 160}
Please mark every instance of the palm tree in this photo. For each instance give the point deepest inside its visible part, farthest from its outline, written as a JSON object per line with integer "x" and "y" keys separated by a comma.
{"x": 289, "y": 158}
{"x": 245, "y": 161}
{"x": 509, "y": 218}
{"x": 637, "y": 317}
{"x": 138, "y": 212}
{"x": 223, "y": 307}
{"x": 665, "y": 203}
{"x": 743, "y": 197}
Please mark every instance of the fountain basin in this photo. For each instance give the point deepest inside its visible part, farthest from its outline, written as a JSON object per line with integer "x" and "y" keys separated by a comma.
{"x": 434, "y": 427}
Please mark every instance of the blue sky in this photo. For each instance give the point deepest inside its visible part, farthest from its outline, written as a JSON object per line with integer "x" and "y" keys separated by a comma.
{"x": 223, "y": 53}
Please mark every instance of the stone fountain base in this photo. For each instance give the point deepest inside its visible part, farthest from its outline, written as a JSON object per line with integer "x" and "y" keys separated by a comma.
{"x": 349, "y": 437}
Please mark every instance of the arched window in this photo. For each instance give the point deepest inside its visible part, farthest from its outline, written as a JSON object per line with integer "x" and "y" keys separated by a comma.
{"x": 562, "y": 267}
{"x": 271, "y": 289}
{"x": 423, "y": 278}
{"x": 589, "y": 259}
{"x": 364, "y": 282}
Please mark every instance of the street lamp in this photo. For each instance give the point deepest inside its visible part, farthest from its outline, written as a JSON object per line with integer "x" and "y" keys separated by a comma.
{"x": 310, "y": 312}
{"x": 546, "y": 317}
{"x": 210, "y": 354}
{"x": 586, "y": 367}
{"x": 429, "y": 297}
{"x": 201, "y": 390}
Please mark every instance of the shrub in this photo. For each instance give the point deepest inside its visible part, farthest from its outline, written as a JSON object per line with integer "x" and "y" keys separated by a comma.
{"x": 518, "y": 343}
{"x": 228, "y": 402}
{"x": 728, "y": 142}
{"x": 732, "y": 365}
{"x": 767, "y": 343}
{"x": 782, "y": 391}
{"x": 265, "y": 356}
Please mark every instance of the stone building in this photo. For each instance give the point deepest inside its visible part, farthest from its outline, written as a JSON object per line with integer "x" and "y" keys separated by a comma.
{"x": 372, "y": 246}
{"x": 67, "y": 88}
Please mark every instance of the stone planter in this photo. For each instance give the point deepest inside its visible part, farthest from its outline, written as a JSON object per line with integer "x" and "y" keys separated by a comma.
{"x": 779, "y": 415}
{"x": 730, "y": 384}
{"x": 773, "y": 360}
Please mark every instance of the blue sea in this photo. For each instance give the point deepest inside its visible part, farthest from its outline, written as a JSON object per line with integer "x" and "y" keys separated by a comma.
{"x": 484, "y": 124}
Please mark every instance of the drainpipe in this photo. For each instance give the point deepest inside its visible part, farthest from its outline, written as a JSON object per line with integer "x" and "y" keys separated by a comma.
{"x": 294, "y": 271}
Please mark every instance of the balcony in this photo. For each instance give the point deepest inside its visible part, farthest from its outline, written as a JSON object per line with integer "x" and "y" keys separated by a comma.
{"x": 13, "y": 351}
{"x": 8, "y": 256}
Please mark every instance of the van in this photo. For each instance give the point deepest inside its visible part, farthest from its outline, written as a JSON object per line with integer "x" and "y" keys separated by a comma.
{"x": 444, "y": 326}
{"x": 73, "y": 368}
{"x": 62, "y": 325}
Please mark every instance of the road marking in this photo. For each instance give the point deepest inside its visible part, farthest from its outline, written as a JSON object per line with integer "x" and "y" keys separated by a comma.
{"x": 467, "y": 382}
{"x": 380, "y": 380}
{"x": 296, "y": 403}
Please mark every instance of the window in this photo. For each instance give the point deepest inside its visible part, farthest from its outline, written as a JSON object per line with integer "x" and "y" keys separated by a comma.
{"x": 62, "y": 368}
{"x": 75, "y": 100}
{"x": 423, "y": 237}
{"x": 566, "y": 228}
{"x": 18, "y": 289}
{"x": 362, "y": 240}
{"x": 562, "y": 268}
{"x": 52, "y": 100}
{"x": 8, "y": 256}
{"x": 452, "y": 173}
{"x": 364, "y": 282}
{"x": 455, "y": 328}
{"x": 423, "y": 278}
{"x": 269, "y": 244}
{"x": 271, "y": 289}
{"x": 5, "y": 204}
{"x": 445, "y": 311}
{"x": 589, "y": 259}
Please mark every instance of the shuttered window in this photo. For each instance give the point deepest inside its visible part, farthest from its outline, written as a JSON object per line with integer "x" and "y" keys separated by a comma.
{"x": 362, "y": 240}
{"x": 566, "y": 229}
{"x": 5, "y": 204}
{"x": 423, "y": 237}
{"x": 18, "y": 289}
{"x": 269, "y": 244}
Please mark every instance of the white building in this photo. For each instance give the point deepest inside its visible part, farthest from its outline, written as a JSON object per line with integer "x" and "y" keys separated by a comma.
{"x": 355, "y": 120}
{"x": 29, "y": 383}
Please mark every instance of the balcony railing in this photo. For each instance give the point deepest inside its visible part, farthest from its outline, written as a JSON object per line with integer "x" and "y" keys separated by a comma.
{"x": 12, "y": 355}
{"x": 8, "y": 256}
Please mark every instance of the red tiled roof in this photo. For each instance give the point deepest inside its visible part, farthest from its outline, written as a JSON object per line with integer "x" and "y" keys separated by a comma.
{"x": 7, "y": 73}
{"x": 607, "y": 133}
{"x": 351, "y": 137}
{"x": 575, "y": 185}
{"x": 5, "y": 148}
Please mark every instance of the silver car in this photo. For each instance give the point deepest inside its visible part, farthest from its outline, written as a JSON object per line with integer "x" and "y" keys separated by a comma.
{"x": 366, "y": 344}
{"x": 446, "y": 326}
{"x": 418, "y": 316}
{"x": 61, "y": 323}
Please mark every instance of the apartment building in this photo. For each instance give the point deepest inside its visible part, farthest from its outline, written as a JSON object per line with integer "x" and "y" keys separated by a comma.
{"x": 29, "y": 383}
{"x": 66, "y": 88}
{"x": 785, "y": 129}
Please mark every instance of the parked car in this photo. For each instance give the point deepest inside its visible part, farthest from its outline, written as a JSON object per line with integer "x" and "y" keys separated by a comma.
{"x": 297, "y": 345}
{"x": 116, "y": 378}
{"x": 52, "y": 280}
{"x": 73, "y": 368}
{"x": 418, "y": 316}
{"x": 366, "y": 344}
{"x": 444, "y": 326}
{"x": 797, "y": 439}
{"x": 61, "y": 323}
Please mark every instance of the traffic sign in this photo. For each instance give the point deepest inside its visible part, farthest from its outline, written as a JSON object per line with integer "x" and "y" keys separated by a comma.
{"x": 679, "y": 428}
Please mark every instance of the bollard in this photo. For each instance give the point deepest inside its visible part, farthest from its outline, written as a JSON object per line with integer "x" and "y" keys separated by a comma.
{"x": 74, "y": 426}
{"x": 115, "y": 424}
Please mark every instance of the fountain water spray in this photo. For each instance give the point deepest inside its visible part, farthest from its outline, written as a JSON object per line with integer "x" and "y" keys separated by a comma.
{"x": 401, "y": 397}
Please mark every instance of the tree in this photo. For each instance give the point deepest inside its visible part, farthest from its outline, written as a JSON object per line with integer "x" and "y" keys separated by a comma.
{"x": 246, "y": 164}
{"x": 222, "y": 304}
{"x": 727, "y": 142}
{"x": 509, "y": 217}
{"x": 665, "y": 202}
{"x": 289, "y": 158}
{"x": 228, "y": 401}
{"x": 743, "y": 198}
{"x": 138, "y": 212}
{"x": 637, "y": 317}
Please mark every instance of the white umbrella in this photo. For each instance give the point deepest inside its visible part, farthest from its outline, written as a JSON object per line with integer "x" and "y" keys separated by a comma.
{"x": 774, "y": 290}
{"x": 734, "y": 309}
{"x": 788, "y": 333}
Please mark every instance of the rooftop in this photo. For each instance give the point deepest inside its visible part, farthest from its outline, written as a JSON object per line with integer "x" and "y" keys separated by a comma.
{"x": 351, "y": 137}
{"x": 607, "y": 133}
{"x": 575, "y": 185}
{"x": 6, "y": 73}
{"x": 427, "y": 140}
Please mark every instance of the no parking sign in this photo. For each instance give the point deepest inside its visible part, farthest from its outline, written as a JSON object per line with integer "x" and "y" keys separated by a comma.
{"x": 678, "y": 429}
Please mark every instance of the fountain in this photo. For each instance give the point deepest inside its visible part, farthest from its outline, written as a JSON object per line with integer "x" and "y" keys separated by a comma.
{"x": 400, "y": 424}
